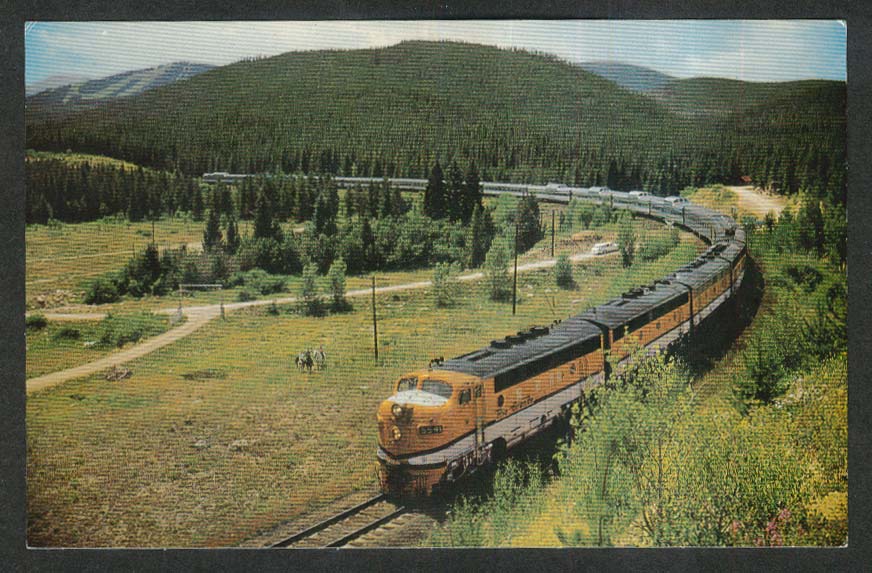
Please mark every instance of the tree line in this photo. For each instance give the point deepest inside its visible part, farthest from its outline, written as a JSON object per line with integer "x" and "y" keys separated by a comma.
{"x": 460, "y": 103}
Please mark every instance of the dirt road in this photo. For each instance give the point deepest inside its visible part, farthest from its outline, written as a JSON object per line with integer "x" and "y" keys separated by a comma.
{"x": 758, "y": 203}
{"x": 198, "y": 316}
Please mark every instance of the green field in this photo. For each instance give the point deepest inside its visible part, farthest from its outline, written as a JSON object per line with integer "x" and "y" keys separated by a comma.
{"x": 157, "y": 459}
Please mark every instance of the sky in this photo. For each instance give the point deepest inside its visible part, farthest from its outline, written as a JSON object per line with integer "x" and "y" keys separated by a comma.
{"x": 752, "y": 50}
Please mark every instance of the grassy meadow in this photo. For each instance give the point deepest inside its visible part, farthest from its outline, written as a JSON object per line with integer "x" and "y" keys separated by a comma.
{"x": 218, "y": 437}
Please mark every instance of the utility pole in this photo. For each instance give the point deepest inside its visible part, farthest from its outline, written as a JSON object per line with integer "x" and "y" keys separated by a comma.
{"x": 552, "y": 233}
{"x": 374, "y": 323}
{"x": 152, "y": 231}
{"x": 515, "y": 281}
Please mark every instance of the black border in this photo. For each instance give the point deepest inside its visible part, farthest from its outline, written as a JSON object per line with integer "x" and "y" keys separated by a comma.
{"x": 13, "y": 552}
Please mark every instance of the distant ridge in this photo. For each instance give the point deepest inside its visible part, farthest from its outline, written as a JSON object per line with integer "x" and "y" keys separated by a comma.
{"x": 85, "y": 94}
{"x": 628, "y": 76}
{"x": 52, "y": 82}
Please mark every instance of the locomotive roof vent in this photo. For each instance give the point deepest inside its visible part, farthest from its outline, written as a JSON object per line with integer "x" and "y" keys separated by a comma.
{"x": 539, "y": 331}
{"x": 633, "y": 292}
{"x": 513, "y": 339}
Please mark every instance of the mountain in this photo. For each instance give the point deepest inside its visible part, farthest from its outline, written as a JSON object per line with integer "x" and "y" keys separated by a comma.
{"x": 86, "y": 94}
{"x": 518, "y": 115}
{"x": 628, "y": 76}
{"x": 52, "y": 82}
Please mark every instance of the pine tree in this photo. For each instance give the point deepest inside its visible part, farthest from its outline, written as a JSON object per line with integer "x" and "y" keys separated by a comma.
{"x": 434, "y": 194}
{"x": 481, "y": 235}
{"x": 212, "y": 232}
{"x": 265, "y": 227}
{"x": 197, "y": 206}
{"x": 232, "y": 234}
{"x": 471, "y": 193}
{"x": 456, "y": 201}
{"x": 530, "y": 231}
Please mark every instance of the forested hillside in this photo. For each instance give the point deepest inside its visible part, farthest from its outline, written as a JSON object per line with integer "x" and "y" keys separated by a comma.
{"x": 520, "y": 116}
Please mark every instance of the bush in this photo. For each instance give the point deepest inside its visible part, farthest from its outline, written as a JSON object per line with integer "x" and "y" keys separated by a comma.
{"x": 102, "y": 290}
{"x": 445, "y": 285}
{"x": 68, "y": 333}
{"x": 245, "y": 295}
{"x": 336, "y": 275}
{"x": 659, "y": 245}
{"x": 310, "y": 303}
{"x": 496, "y": 270}
{"x": 258, "y": 281}
{"x": 563, "y": 272}
{"x": 35, "y": 322}
{"x": 626, "y": 240}
{"x": 117, "y": 330}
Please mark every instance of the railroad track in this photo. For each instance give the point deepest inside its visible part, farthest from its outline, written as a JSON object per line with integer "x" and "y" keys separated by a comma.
{"x": 347, "y": 526}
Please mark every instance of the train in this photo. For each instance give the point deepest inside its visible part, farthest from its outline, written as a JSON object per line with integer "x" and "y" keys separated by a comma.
{"x": 458, "y": 415}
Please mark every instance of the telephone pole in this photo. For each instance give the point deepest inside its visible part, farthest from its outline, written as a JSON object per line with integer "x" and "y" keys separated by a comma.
{"x": 374, "y": 323}
{"x": 515, "y": 281}
{"x": 552, "y": 233}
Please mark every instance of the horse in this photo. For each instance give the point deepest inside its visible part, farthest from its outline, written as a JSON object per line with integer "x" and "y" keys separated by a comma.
{"x": 304, "y": 361}
{"x": 320, "y": 358}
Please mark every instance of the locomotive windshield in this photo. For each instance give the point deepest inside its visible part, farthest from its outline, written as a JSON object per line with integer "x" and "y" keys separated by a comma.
{"x": 407, "y": 384}
{"x": 437, "y": 387}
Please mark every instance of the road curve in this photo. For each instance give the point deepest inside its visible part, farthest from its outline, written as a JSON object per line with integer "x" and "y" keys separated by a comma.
{"x": 198, "y": 316}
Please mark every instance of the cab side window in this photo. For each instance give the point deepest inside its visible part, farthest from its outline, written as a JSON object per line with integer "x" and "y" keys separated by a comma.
{"x": 464, "y": 397}
{"x": 407, "y": 384}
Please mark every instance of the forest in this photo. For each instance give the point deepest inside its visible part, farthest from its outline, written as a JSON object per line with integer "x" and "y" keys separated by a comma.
{"x": 519, "y": 116}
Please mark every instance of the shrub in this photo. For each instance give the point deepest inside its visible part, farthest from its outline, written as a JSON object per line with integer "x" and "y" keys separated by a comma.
{"x": 626, "y": 240}
{"x": 258, "y": 281}
{"x": 117, "y": 330}
{"x": 563, "y": 272}
{"x": 245, "y": 295}
{"x": 35, "y": 322}
{"x": 445, "y": 285}
{"x": 68, "y": 332}
{"x": 102, "y": 290}
{"x": 336, "y": 275}
{"x": 496, "y": 270}
{"x": 310, "y": 303}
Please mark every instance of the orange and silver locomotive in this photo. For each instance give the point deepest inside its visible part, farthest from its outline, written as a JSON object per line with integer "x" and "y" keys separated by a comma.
{"x": 450, "y": 419}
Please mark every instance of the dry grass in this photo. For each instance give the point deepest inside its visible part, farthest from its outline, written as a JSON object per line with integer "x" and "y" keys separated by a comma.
{"x": 157, "y": 460}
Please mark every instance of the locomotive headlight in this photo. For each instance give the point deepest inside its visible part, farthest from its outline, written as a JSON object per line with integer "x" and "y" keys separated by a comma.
{"x": 397, "y": 410}
{"x": 396, "y": 433}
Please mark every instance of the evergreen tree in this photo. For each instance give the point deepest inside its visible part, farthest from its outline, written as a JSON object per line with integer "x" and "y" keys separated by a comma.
{"x": 265, "y": 227}
{"x": 336, "y": 276}
{"x": 456, "y": 200}
{"x": 471, "y": 193}
{"x": 311, "y": 304}
{"x": 481, "y": 235}
{"x": 434, "y": 194}
{"x": 530, "y": 231}
{"x": 626, "y": 240}
{"x": 212, "y": 232}
{"x": 232, "y": 234}
{"x": 810, "y": 224}
{"x": 197, "y": 206}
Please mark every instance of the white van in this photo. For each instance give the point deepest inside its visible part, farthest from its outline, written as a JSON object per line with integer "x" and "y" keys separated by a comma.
{"x": 638, "y": 194}
{"x": 676, "y": 201}
{"x": 604, "y": 248}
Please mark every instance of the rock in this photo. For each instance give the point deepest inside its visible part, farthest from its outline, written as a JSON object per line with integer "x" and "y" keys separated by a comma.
{"x": 200, "y": 444}
{"x": 238, "y": 445}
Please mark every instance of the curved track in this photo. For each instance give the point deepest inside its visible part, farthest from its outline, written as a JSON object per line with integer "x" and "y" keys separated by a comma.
{"x": 346, "y": 526}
